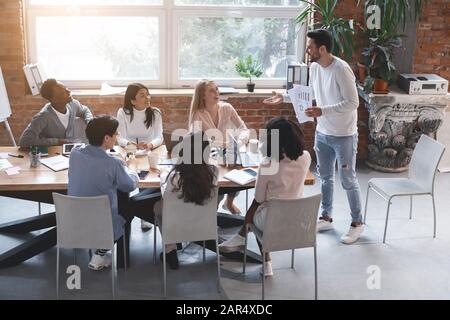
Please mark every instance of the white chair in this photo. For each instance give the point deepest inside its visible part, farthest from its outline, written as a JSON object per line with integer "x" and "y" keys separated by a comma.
{"x": 420, "y": 181}
{"x": 290, "y": 224}
{"x": 84, "y": 223}
{"x": 183, "y": 221}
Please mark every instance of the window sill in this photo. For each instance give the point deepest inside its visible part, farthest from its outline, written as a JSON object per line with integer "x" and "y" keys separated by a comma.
{"x": 177, "y": 92}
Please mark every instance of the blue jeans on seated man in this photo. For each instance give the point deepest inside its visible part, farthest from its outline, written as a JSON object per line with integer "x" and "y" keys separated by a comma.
{"x": 343, "y": 149}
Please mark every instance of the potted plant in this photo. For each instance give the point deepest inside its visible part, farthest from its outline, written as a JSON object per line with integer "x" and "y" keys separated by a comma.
{"x": 342, "y": 30}
{"x": 248, "y": 67}
{"x": 378, "y": 56}
{"x": 378, "y": 59}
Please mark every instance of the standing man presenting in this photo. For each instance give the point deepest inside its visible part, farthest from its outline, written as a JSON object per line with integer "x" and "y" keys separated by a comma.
{"x": 333, "y": 84}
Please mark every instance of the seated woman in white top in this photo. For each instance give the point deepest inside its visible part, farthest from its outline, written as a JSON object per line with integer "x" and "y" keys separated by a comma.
{"x": 194, "y": 183}
{"x": 286, "y": 183}
{"x": 215, "y": 117}
{"x": 140, "y": 124}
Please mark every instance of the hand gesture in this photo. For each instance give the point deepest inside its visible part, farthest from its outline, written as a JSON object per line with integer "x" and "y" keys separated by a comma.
{"x": 275, "y": 99}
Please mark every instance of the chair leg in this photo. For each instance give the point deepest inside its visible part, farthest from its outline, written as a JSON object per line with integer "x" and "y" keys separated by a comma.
{"x": 125, "y": 253}
{"x": 155, "y": 229}
{"x": 315, "y": 273}
{"x": 113, "y": 271}
{"x": 218, "y": 266}
{"x": 365, "y": 207}
{"x": 245, "y": 253}
{"x": 57, "y": 273}
{"x": 39, "y": 208}
{"x": 434, "y": 213}
{"x": 387, "y": 217}
{"x": 204, "y": 254}
{"x": 410, "y": 207}
{"x": 164, "y": 270}
{"x": 263, "y": 274}
{"x": 292, "y": 258}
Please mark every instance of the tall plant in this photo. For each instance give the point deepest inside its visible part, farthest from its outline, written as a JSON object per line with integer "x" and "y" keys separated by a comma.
{"x": 341, "y": 29}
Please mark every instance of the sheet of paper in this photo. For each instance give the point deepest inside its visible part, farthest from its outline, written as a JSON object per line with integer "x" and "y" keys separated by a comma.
{"x": 107, "y": 90}
{"x": 301, "y": 98}
{"x": 4, "y": 155}
{"x": 5, "y": 164}
{"x": 56, "y": 163}
{"x": 12, "y": 171}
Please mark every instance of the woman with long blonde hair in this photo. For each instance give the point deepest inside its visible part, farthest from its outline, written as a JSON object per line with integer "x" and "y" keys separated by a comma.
{"x": 208, "y": 113}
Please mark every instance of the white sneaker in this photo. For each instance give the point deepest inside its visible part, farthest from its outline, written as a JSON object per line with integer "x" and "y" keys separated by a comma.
{"x": 235, "y": 243}
{"x": 323, "y": 225}
{"x": 353, "y": 234}
{"x": 268, "y": 271}
{"x": 146, "y": 225}
{"x": 99, "y": 262}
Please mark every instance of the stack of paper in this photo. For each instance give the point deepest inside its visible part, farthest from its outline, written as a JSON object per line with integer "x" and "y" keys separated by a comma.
{"x": 56, "y": 163}
{"x": 5, "y": 164}
{"x": 241, "y": 177}
{"x": 301, "y": 98}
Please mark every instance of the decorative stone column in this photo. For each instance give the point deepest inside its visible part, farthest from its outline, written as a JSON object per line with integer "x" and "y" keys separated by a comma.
{"x": 396, "y": 122}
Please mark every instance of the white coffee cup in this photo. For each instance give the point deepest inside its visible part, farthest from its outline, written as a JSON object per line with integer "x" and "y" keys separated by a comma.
{"x": 253, "y": 145}
{"x": 131, "y": 148}
{"x": 152, "y": 159}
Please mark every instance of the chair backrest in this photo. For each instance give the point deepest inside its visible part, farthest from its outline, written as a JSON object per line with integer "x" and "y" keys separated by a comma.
{"x": 424, "y": 162}
{"x": 183, "y": 221}
{"x": 83, "y": 222}
{"x": 291, "y": 224}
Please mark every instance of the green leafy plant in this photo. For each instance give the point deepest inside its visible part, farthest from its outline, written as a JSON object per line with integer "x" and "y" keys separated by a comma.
{"x": 248, "y": 67}
{"x": 341, "y": 29}
{"x": 378, "y": 56}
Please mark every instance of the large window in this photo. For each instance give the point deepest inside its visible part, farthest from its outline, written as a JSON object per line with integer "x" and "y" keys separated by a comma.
{"x": 162, "y": 43}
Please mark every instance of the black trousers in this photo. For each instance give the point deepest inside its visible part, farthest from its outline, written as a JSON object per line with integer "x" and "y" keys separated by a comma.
{"x": 141, "y": 206}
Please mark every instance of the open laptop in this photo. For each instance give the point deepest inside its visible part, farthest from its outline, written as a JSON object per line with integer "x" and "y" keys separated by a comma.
{"x": 245, "y": 158}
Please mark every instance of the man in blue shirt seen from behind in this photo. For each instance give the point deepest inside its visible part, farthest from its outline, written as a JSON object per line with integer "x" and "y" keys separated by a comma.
{"x": 93, "y": 172}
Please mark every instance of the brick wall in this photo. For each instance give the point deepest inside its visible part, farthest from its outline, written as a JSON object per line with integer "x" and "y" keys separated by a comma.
{"x": 175, "y": 109}
{"x": 432, "y": 53}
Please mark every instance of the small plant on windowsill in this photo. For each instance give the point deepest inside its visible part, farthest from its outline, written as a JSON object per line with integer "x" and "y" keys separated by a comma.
{"x": 249, "y": 68}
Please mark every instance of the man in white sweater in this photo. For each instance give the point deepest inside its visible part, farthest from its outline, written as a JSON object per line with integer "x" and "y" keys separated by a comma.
{"x": 334, "y": 90}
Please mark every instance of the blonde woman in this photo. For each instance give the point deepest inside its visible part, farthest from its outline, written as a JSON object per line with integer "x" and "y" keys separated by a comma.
{"x": 208, "y": 113}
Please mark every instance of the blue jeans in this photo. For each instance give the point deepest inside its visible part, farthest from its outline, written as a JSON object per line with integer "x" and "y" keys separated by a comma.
{"x": 343, "y": 149}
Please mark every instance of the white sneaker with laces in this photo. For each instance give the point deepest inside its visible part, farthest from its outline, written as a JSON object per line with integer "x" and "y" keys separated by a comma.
{"x": 99, "y": 262}
{"x": 353, "y": 234}
{"x": 146, "y": 225}
{"x": 268, "y": 271}
{"x": 324, "y": 225}
{"x": 235, "y": 243}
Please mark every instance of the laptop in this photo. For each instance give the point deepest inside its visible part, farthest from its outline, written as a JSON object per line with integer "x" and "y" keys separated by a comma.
{"x": 170, "y": 144}
{"x": 244, "y": 158}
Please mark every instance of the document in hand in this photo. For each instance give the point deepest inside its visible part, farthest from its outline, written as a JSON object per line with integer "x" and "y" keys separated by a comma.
{"x": 301, "y": 98}
{"x": 242, "y": 177}
{"x": 56, "y": 163}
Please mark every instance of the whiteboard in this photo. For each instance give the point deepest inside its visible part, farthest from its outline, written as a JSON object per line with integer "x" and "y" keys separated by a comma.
{"x": 5, "y": 108}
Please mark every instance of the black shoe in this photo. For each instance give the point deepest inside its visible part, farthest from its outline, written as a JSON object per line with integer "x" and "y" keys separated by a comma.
{"x": 179, "y": 246}
{"x": 171, "y": 259}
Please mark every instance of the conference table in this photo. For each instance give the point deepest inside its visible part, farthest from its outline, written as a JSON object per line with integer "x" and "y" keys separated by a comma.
{"x": 37, "y": 184}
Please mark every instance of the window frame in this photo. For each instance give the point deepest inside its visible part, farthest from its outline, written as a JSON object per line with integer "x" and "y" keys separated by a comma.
{"x": 169, "y": 15}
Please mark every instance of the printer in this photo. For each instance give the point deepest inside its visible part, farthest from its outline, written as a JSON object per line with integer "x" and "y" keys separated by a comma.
{"x": 422, "y": 84}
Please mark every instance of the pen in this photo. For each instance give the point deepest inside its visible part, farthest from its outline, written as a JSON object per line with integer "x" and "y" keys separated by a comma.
{"x": 15, "y": 155}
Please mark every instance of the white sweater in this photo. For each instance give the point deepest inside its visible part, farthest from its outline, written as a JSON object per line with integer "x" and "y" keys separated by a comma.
{"x": 129, "y": 131}
{"x": 334, "y": 89}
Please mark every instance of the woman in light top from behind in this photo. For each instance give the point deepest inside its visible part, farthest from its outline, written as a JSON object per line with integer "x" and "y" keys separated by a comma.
{"x": 139, "y": 122}
{"x": 288, "y": 182}
{"x": 208, "y": 113}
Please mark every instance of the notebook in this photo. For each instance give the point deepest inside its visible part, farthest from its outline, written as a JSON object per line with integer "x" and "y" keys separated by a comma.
{"x": 56, "y": 163}
{"x": 242, "y": 177}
